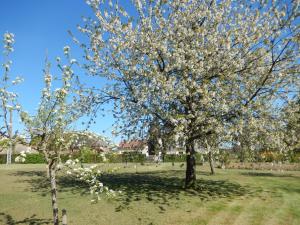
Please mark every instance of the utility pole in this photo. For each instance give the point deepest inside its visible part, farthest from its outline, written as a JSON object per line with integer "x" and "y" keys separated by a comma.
{"x": 10, "y": 133}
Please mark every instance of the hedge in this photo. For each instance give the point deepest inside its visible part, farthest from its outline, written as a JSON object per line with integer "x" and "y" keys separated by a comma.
{"x": 84, "y": 157}
{"x": 182, "y": 158}
{"x": 91, "y": 157}
{"x": 30, "y": 159}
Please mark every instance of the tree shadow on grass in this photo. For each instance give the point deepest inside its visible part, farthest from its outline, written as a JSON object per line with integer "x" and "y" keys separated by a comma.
{"x": 7, "y": 219}
{"x": 164, "y": 188}
{"x": 41, "y": 184}
{"x": 161, "y": 188}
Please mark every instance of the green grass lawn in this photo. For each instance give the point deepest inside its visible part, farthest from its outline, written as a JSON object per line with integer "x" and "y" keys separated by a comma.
{"x": 154, "y": 195}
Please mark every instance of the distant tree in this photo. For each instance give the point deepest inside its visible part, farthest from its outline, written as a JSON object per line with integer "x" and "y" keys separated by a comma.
{"x": 87, "y": 139}
{"x": 8, "y": 99}
{"x": 191, "y": 64}
{"x": 154, "y": 137}
{"x": 291, "y": 119}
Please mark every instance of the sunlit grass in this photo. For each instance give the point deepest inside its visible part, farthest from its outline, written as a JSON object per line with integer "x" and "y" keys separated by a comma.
{"x": 153, "y": 194}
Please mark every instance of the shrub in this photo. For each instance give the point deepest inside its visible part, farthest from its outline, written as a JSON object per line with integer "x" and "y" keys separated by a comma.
{"x": 35, "y": 159}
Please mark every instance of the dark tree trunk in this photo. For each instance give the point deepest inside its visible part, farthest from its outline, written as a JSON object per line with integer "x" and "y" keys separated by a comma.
{"x": 190, "y": 177}
{"x": 52, "y": 172}
{"x": 211, "y": 163}
{"x": 153, "y": 144}
{"x": 163, "y": 154}
{"x": 151, "y": 147}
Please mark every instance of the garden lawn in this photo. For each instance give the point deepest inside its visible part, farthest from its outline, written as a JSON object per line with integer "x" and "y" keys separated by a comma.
{"x": 153, "y": 194}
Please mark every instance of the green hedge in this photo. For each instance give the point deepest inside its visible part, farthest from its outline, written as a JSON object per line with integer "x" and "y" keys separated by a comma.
{"x": 114, "y": 158}
{"x": 174, "y": 158}
{"x": 30, "y": 159}
{"x": 87, "y": 156}
{"x": 84, "y": 157}
{"x": 35, "y": 159}
{"x": 182, "y": 158}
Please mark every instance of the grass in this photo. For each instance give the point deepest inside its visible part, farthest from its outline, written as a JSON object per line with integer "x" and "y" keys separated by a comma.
{"x": 153, "y": 196}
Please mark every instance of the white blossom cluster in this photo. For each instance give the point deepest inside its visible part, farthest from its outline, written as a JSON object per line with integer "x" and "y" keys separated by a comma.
{"x": 91, "y": 175}
{"x": 9, "y": 40}
{"x": 22, "y": 157}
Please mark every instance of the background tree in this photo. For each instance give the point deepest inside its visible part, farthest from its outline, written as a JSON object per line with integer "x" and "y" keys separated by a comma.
{"x": 8, "y": 99}
{"x": 84, "y": 139}
{"x": 154, "y": 138}
{"x": 190, "y": 64}
{"x": 291, "y": 124}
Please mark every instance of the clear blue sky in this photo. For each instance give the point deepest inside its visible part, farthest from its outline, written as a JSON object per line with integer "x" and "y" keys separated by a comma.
{"x": 41, "y": 25}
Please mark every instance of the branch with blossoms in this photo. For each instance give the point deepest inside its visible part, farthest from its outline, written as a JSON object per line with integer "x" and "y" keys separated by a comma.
{"x": 91, "y": 175}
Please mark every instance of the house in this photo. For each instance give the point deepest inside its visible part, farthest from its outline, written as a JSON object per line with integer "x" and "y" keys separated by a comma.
{"x": 134, "y": 145}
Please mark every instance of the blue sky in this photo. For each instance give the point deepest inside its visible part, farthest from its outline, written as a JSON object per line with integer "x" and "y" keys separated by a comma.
{"x": 40, "y": 26}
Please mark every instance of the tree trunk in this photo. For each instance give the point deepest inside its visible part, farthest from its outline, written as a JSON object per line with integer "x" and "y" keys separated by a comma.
{"x": 52, "y": 172}
{"x": 190, "y": 177}
{"x": 211, "y": 163}
{"x": 10, "y": 148}
{"x": 163, "y": 154}
{"x": 48, "y": 171}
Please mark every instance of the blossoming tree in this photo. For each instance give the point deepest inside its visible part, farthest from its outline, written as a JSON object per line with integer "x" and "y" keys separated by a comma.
{"x": 291, "y": 119}
{"x": 193, "y": 65}
{"x": 56, "y": 113}
{"x": 8, "y": 99}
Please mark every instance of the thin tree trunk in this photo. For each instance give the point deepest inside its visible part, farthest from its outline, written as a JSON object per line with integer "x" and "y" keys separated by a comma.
{"x": 211, "y": 163}
{"x": 10, "y": 149}
{"x": 163, "y": 154}
{"x": 210, "y": 158}
{"x": 48, "y": 171}
{"x": 52, "y": 172}
{"x": 190, "y": 177}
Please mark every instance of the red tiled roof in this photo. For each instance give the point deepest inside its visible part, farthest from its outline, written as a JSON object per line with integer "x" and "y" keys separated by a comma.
{"x": 134, "y": 144}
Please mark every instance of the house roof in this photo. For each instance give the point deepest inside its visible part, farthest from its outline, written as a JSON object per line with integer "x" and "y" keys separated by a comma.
{"x": 133, "y": 144}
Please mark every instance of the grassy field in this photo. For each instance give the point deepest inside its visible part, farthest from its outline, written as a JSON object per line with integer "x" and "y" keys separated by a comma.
{"x": 154, "y": 195}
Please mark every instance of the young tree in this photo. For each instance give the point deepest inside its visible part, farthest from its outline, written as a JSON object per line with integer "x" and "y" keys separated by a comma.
{"x": 8, "y": 100}
{"x": 190, "y": 64}
{"x": 57, "y": 111}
